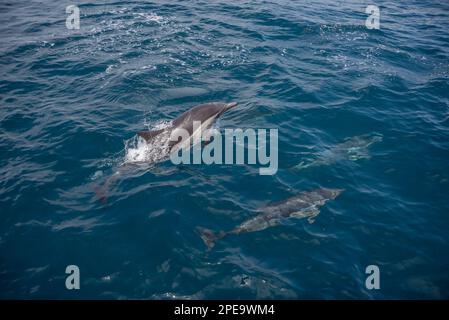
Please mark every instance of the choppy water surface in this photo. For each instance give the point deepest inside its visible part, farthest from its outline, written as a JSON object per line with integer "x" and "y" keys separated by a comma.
{"x": 71, "y": 102}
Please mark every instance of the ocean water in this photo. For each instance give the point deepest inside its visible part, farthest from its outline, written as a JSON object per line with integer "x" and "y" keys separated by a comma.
{"x": 71, "y": 102}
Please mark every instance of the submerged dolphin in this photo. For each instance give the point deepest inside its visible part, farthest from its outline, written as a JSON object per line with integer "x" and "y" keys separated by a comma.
{"x": 204, "y": 113}
{"x": 303, "y": 205}
{"x": 353, "y": 149}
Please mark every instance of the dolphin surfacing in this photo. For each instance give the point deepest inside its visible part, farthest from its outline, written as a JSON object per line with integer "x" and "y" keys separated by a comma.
{"x": 205, "y": 113}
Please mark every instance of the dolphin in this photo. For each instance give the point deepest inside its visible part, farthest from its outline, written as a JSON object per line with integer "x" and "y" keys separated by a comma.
{"x": 353, "y": 149}
{"x": 303, "y": 205}
{"x": 205, "y": 113}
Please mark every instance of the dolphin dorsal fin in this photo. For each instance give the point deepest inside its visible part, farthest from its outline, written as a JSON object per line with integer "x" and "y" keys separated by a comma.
{"x": 148, "y": 135}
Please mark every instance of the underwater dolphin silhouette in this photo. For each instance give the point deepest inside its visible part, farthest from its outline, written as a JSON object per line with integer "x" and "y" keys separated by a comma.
{"x": 303, "y": 205}
{"x": 353, "y": 149}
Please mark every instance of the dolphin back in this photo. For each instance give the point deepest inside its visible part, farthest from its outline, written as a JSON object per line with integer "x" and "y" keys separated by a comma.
{"x": 148, "y": 135}
{"x": 202, "y": 113}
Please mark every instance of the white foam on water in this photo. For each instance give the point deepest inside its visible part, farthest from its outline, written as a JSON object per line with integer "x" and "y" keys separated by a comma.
{"x": 150, "y": 17}
{"x": 138, "y": 150}
{"x": 96, "y": 175}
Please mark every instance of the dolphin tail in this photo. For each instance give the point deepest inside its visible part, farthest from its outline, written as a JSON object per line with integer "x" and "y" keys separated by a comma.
{"x": 101, "y": 191}
{"x": 210, "y": 237}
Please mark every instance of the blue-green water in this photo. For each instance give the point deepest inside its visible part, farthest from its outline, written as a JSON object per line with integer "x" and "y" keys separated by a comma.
{"x": 70, "y": 99}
